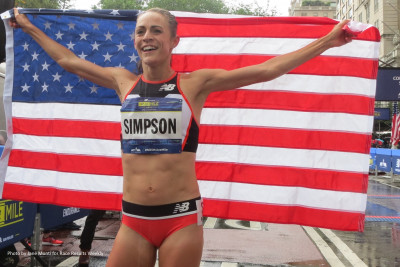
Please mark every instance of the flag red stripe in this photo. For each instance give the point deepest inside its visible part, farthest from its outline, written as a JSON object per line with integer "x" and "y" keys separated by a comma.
{"x": 270, "y": 30}
{"x": 211, "y": 134}
{"x": 82, "y": 199}
{"x": 66, "y": 163}
{"x": 216, "y": 208}
{"x": 395, "y": 129}
{"x": 340, "y": 220}
{"x": 67, "y": 128}
{"x": 279, "y": 27}
{"x": 322, "y": 65}
{"x": 282, "y": 176}
{"x": 227, "y": 172}
{"x": 287, "y": 138}
{"x": 256, "y": 21}
{"x": 292, "y": 101}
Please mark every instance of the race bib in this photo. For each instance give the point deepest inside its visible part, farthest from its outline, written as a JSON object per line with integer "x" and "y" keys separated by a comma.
{"x": 151, "y": 125}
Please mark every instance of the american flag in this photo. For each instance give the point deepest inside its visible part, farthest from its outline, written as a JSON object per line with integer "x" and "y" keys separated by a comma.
{"x": 394, "y": 139}
{"x": 293, "y": 150}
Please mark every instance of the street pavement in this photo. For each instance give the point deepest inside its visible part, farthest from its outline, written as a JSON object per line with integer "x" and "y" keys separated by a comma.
{"x": 232, "y": 243}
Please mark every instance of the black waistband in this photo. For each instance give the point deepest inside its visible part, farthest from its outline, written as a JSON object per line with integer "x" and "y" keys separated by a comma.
{"x": 160, "y": 210}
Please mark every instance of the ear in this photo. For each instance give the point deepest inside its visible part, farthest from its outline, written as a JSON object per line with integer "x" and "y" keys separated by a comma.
{"x": 176, "y": 41}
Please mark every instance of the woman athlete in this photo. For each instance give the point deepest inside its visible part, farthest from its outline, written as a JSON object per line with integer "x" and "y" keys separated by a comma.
{"x": 160, "y": 118}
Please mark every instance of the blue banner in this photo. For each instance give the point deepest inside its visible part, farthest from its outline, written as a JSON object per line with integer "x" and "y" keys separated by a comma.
{"x": 396, "y": 161}
{"x": 388, "y": 84}
{"x": 384, "y": 159}
{"x": 52, "y": 216}
{"x": 382, "y": 114}
{"x": 16, "y": 221}
{"x": 372, "y": 159}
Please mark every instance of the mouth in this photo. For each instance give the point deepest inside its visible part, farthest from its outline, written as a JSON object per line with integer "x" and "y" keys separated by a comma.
{"x": 148, "y": 48}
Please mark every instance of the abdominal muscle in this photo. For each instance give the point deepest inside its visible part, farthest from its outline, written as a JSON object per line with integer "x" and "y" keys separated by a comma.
{"x": 159, "y": 179}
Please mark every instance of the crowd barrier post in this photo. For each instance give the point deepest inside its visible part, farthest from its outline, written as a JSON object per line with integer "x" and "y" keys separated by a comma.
{"x": 36, "y": 240}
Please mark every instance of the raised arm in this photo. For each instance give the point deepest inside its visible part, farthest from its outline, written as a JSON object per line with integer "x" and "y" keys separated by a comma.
{"x": 106, "y": 77}
{"x": 218, "y": 80}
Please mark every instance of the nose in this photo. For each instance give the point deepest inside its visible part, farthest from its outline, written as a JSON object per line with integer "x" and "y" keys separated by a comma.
{"x": 147, "y": 36}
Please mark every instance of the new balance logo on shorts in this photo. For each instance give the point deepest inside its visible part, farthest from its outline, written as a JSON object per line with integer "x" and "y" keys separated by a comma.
{"x": 181, "y": 207}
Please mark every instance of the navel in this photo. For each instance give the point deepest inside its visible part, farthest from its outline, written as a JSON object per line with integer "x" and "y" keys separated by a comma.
{"x": 151, "y": 189}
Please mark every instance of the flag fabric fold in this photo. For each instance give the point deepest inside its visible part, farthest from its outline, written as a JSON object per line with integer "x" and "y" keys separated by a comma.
{"x": 292, "y": 150}
{"x": 395, "y": 137}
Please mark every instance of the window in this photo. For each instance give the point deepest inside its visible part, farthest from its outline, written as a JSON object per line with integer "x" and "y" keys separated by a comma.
{"x": 360, "y": 17}
{"x": 376, "y": 5}
{"x": 304, "y": 14}
{"x": 350, "y": 14}
{"x": 367, "y": 13}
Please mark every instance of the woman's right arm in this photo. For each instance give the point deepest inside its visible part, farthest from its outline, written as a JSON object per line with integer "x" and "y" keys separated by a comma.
{"x": 106, "y": 77}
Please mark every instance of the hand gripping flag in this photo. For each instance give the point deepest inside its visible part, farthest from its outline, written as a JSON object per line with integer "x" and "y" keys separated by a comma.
{"x": 292, "y": 150}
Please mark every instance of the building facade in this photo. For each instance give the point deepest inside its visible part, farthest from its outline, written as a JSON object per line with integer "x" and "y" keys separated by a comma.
{"x": 313, "y": 8}
{"x": 383, "y": 14}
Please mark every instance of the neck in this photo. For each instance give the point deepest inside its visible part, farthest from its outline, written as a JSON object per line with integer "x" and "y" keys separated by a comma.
{"x": 157, "y": 74}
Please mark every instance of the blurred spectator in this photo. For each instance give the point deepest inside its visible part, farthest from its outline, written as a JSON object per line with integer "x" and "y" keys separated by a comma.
{"x": 88, "y": 234}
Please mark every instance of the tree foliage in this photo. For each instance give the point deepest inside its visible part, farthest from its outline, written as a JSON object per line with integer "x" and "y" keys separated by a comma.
{"x": 56, "y": 4}
{"x": 315, "y": 3}
{"x": 252, "y": 10}
{"x": 204, "y": 6}
{"x": 198, "y": 6}
{"x": 121, "y": 4}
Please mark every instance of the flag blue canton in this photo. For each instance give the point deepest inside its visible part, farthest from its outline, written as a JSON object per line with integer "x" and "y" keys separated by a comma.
{"x": 107, "y": 43}
{"x": 395, "y": 108}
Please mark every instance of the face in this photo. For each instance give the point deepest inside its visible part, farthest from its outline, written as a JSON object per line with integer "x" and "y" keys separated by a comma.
{"x": 153, "y": 39}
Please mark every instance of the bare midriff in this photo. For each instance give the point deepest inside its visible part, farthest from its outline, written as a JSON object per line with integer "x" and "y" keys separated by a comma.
{"x": 159, "y": 179}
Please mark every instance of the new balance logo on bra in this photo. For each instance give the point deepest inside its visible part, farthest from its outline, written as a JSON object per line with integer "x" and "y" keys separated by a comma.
{"x": 167, "y": 87}
{"x": 181, "y": 207}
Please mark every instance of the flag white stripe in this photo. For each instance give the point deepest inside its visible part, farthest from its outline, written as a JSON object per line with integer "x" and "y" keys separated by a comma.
{"x": 87, "y": 112}
{"x": 268, "y": 46}
{"x": 282, "y": 195}
{"x": 288, "y": 119}
{"x": 222, "y": 116}
{"x": 269, "y": 156}
{"x": 273, "y": 156}
{"x": 68, "y": 145}
{"x": 304, "y": 83}
{"x": 318, "y": 84}
{"x": 66, "y": 180}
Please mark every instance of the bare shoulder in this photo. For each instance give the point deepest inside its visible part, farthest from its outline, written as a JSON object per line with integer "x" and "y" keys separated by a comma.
{"x": 125, "y": 79}
{"x": 200, "y": 78}
{"x": 212, "y": 80}
{"x": 203, "y": 74}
